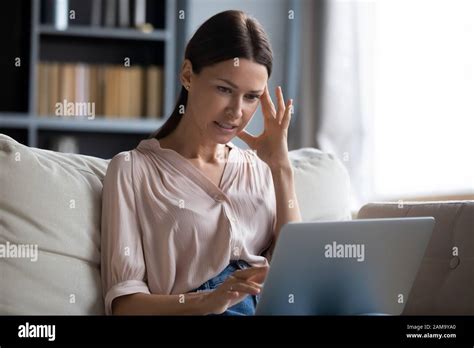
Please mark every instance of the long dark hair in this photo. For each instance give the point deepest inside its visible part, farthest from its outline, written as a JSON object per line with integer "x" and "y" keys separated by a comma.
{"x": 226, "y": 35}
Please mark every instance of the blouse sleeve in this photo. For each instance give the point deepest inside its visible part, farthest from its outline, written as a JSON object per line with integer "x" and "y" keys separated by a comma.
{"x": 270, "y": 198}
{"x": 123, "y": 267}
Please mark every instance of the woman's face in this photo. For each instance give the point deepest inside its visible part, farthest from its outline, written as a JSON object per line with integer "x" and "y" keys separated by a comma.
{"x": 223, "y": 97}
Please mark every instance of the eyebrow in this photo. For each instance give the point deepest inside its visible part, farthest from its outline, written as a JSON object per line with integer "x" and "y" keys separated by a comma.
{"x": 235, "y": 86}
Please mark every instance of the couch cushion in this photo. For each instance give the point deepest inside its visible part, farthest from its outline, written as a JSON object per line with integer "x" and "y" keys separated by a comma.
{"x": 322, "y": 185}
{"x": 51, "y": 200}
{"x": 445, "y": 281}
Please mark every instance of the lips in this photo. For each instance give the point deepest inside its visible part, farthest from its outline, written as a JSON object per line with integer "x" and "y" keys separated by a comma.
{"x": 225, "y": 126}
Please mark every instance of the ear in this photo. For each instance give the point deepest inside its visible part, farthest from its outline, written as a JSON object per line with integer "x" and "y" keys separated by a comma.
{"x": 186, "y": 72}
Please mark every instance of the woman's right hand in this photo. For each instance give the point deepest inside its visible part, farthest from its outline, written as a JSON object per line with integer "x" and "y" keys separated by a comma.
{"x": 235, "y": 288}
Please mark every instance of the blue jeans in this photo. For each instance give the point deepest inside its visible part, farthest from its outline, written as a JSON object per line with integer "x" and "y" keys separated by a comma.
{"x": 247, "y": 305}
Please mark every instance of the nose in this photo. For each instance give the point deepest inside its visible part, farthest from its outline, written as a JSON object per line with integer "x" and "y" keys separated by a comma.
{"x": 234, "y": 111}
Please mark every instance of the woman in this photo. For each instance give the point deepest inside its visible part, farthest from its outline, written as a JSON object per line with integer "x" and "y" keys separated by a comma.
{"x": 189, "y": 220}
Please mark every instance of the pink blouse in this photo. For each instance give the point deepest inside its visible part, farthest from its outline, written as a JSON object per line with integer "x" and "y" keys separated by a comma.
{"x": 166, "y": 228}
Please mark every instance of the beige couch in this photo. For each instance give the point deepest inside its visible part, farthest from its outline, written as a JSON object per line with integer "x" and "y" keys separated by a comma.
{"x": 445, "y": 281}
{"x": 52, "y": 200}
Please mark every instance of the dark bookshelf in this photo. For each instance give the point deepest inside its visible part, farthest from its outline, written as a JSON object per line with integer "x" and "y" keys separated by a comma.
{"x": 29, "y": 30}
{"x": 89, "y": 142}
{"x": 100, "y": 50}
{"x": 19, "y": 134}
{"x": 15, "y": 33}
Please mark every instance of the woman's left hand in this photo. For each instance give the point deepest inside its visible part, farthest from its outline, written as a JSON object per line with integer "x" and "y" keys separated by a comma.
{"x": 272, "y": 145}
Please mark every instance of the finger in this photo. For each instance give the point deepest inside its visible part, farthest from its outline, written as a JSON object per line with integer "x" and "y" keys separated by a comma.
{"x": 232, "y": 282}
{"x": 258, "y": 278}
{"x": 281, "y": 104}
{"x": 245, "y": 288}
{"x": 250, "y": 272}
{"x": 248, "y": 138}
{"x": 251, "y": 284}
{"x": 259, "y": 275}
{"x": 287, "y": 117}
{"x": 247, "y": 272}
{"x": 268, "y": 109}
{"x": 248, "y": 282}
{"x": 254, "y": 284}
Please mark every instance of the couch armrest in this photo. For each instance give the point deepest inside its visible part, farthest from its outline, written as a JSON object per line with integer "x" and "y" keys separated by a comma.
{"x": 445, "y": 281}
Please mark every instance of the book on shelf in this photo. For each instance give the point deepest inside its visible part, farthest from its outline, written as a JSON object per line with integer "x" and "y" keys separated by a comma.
{"x": 123, "y": 13}
{"x": 96, "y": 13}
{"x": 110, "y": 13}
{"x": 136, "y": 14}
{"x": 154, "y": 91}
{"x": 61, "y": 10}
{"x": 140, "y": 13}
{"x": 115, "y": 91}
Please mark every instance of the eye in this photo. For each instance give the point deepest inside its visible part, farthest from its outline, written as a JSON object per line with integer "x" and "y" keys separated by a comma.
{"x": 223, "y": 89}
{"x": 253, "y": 97}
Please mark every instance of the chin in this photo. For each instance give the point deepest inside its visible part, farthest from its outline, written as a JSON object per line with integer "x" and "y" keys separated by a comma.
{"x": 224, "y": 139}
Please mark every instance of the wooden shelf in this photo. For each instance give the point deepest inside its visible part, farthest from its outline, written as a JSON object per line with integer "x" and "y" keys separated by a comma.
{"x": 98, "y": 124}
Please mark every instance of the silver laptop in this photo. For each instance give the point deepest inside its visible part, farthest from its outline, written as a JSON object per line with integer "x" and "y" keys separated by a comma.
{"x": 358, "y": 267}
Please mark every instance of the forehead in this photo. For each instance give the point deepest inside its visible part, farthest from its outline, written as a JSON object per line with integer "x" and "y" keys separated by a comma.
{"x": 243, "y": 72}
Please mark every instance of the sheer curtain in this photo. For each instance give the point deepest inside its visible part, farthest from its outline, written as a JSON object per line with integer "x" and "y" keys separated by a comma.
{"x": 387, "y": 86}
{"x": 334, "y": 112}
{"x": 346, "y": 114}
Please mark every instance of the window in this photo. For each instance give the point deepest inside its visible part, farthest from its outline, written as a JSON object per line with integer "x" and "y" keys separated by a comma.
{"x": 423, "y": 98}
